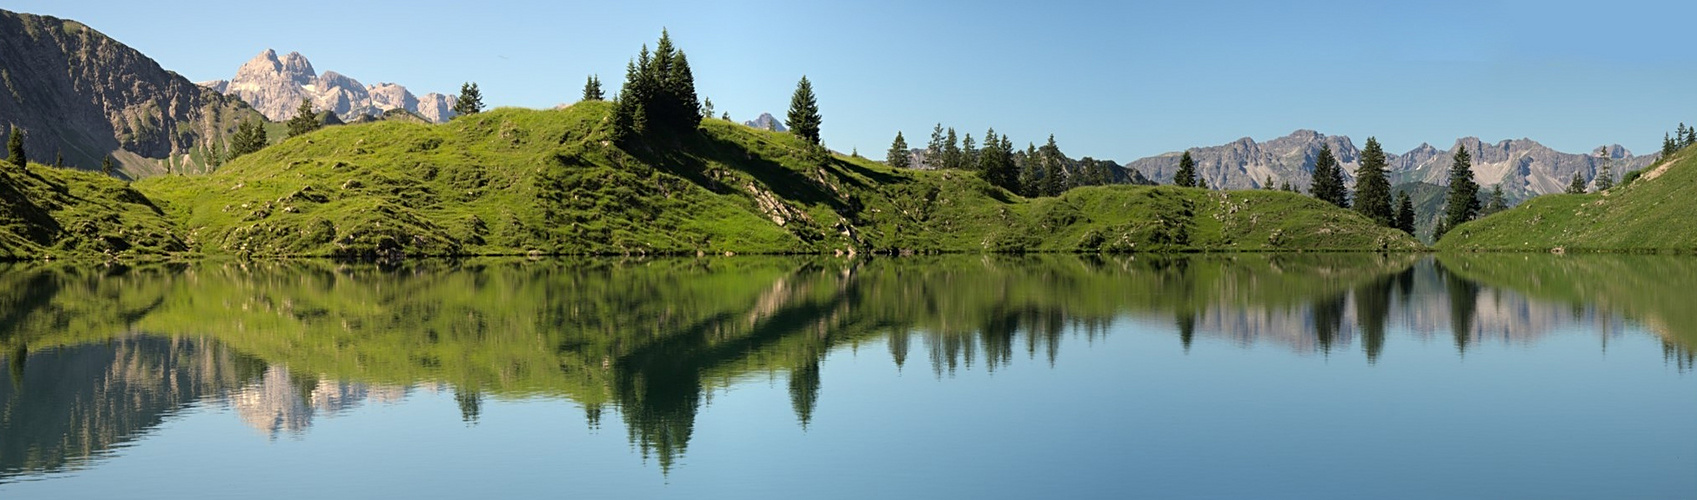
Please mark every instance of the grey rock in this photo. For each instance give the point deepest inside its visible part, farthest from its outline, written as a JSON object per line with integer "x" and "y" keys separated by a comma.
{"x": 276, "y": 85}
{"x": 766, "y": 122}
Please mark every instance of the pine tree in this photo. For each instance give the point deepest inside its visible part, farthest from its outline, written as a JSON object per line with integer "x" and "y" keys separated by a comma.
{"x": 951, "y": 152}
{"x": 1605, "y": 173}
{"x": 1030, "y": 173}
{"x": 934, "y": 149}
{"x": 804, "y": 112}
{"x": 1690, "y": 136}
{"x": 1372, "y": 188}
{"x": 658, "y": 96}
{"x": 1328, "y": 179}
{"x": 1405, "y": 213}
{"x": 1285, "y": 186}
{"x": 470, "y": 100}
{"x": 1268, "y": 185}
{"x": 1186, "y": 174}
{"x": 1668, "y": 146}
{"x": 249, "y": 137}
{"x": 305, "y": 120}
{"x": 968, "y": 152}
{"x": 1497, "y": 204}
{"x": 592, "y": 89}
{"x": 1054, "y": 168}
{"x": 1463, "y": 200}
{"x": 1679, "y": 137}
{"x": 106, "y": 165}
{"x": 15, "y": 148}
{"x": 1577, "y": 186}
{"x": 898, "y": 155}
{"x": 1202, "y": 183}
{"x": 707, "y": 107}
{"x": 59, "y": 159}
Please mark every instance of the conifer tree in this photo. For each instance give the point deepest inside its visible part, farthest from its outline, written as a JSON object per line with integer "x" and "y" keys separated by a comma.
{"x": 1680, "y": 142}
{"x": 1667, "y": 146}
{"x": 707, "y": 107}
{"x": 1328, "y": 179}
{"x": 305, "y": 120}
{"x": 592, "y": 89}
{"x": 106, "y": 165}
{"x": 1497, "y": 204}
{"x": 934, "y": 149}
{"x": 1268, "y": 184}
{"x": 1577, "y": 186}
{"x": 1463, "y": 200}
{"x": 1186, "y": 174}
{"x": 469, "y": 102}
{"x": 1285, "y": 186}
{"x": 898, "y": 155}
{"x": 1372, "y": 188}
{"x": 968, "y": 152}
{"x": 59, "y": 159}
{"x": 1202, "y": 183}
{"x": 1030, "y": 172}
{"x": 804, "y": 112}
{"x": 1690, "y": 136}
{"x": 1605, "y": 173}
{"x": 249, "y": 137}
{"x": 1405, "y": 213}
{"x": 1054, "y": 171}
{"x": 951, "y": 151}
{"x": 15, "y": 148}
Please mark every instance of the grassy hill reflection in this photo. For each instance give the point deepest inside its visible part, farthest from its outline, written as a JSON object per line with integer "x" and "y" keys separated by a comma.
{"x": 650, "y": 339}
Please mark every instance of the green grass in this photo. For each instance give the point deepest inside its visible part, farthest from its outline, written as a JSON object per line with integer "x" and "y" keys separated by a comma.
{"x": 52, "y": 213}
{"x": 1648, "y": 215}
{"x": 514, "y": 181}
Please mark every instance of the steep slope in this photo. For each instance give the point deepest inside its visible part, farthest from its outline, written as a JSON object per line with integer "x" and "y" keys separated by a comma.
{"x": 1652, "y": 213}
{"x": 76, "y": 92}
{"x": 61, "y": 213}
{"x": 1524, "y": 167}
{"x": 275, "y": 85}
{"x": 516, "y": 181}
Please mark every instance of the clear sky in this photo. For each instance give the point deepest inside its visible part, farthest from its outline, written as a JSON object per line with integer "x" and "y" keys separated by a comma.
{"x": 1117, "y": 80}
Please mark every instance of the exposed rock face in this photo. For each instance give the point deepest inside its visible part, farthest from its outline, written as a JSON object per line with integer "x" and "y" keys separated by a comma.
{"x": 276, "y": 85}
{"x": 1524, "y": 167}
{"x": 766, "y": 122}
{"x": 76, "y": 92}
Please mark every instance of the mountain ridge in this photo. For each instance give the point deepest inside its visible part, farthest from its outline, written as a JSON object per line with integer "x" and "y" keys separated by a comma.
{"x": 275, "y": 85}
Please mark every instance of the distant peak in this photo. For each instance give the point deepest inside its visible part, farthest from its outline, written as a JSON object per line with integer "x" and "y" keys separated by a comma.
{"x": 1303, "y": 133}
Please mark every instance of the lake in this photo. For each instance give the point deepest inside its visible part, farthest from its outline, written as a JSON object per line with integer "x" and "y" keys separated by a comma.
{"x": 1292, "y": 375}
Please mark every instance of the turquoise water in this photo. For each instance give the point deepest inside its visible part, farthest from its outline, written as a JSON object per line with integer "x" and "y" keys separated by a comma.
{"x": 964, "y": 377}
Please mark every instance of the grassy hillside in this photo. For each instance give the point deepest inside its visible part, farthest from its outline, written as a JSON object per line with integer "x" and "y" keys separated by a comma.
{"x": 517, "y": 181}
{"x": 1651, "y": 214}
{"x": 49, "y": 213}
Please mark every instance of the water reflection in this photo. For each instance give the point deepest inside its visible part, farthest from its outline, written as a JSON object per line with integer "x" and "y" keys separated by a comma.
{"x": 98, "y": 357}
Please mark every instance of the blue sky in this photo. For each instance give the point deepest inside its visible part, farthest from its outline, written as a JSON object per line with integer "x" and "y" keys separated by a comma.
{"x": 1117, "y": 80}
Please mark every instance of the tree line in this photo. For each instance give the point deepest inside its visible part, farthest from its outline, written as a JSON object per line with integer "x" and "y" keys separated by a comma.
{"x": 1032, "y": 172}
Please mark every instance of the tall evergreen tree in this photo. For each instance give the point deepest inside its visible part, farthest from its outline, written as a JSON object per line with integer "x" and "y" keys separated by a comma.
{"x": 1405, "y": 213}
{"x": 996, "y": 162}
{"x": 1202, "y": 183}
{"x": 1577, "y": 186}
{"x": 1185, "y": 176}
{"x": 1268, "y": 184}
{"x": 106, "y": 166}
{"x": 706, "y": 107}
{"x": 658, "y": 96}
{"x": 1328, "y": 179}
{"x": 898, "y": 155}
{"x": 1372, "y": 188}
{"x": 1690, "y": 136}
{"x": 59, "y": 159}
{"x": 305, "y": 120}
{"x": 1668, "y": 146}
{"x": 15, "y": 148}
{"x": 1605, "y": 172}
{"x": 951, "y": 151}
{"x": 1498, "y": 203}
{"x": 1030, "y": 172}
{"x": 1463, "y": 201}
{"x": 1679, "y": 137}
{"x": 592, "y": 89}
{"x": 934, "y": 149}
{"x": 249, "y": 137}
{"x": 1054, "y": 168}
{"x": 470, "y": 100}
{"x": 968, "y": 152}
{"x": 804, "y": 112}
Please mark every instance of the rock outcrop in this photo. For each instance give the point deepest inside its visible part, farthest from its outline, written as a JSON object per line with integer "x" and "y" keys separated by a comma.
{"x": 767, "y": 122}
{"x": 275, "y": 85}
{"x": 78, "y": 93}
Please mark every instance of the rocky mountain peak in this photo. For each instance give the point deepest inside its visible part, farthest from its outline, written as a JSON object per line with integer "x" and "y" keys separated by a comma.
{"x": 766, "y": 122}
{"x": 276, "y": 85}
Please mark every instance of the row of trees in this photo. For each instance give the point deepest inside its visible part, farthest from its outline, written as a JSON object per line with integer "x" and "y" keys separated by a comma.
{"x": 1682, "y": 138}
{"x": 1036, "y": 171}
{"x": 658, "y": 98}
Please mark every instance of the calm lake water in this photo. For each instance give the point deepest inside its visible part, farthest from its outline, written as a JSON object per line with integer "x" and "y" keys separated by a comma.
{"x": 1305, "y": 376}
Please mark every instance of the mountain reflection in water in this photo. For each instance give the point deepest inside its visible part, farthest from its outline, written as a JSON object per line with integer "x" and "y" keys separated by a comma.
{"x": 99, "y": 357}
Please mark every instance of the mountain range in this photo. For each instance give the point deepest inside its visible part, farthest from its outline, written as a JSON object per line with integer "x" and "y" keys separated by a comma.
{"x": 1523, "y": 167}
{"x": 82, "y": 96}
{"x": 276, "y": 85}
